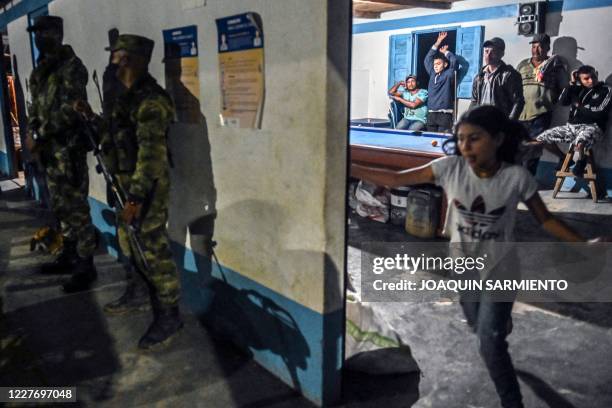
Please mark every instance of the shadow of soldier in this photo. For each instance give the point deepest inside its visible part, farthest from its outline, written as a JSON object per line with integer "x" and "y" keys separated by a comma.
{"x": 193, "y": 195}
{"x": 279, "y": 332}
{"x": 192, "y": 207}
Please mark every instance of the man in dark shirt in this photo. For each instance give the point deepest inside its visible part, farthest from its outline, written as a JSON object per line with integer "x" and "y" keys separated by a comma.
{"x": 590, "y": 102}
{"x": 498, "y": 84}
{"x": 441, "y": 65}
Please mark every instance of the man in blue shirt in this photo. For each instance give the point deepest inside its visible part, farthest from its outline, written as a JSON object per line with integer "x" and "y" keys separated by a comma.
{"x": 441, "y": 65}
{"x": 414, "y": 101}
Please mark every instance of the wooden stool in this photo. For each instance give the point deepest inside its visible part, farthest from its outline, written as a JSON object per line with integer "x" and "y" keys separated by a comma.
{"x": 589, "y": 175}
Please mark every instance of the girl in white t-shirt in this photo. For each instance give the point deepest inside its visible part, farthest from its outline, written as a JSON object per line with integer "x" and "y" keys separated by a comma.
{"x": 483, "y": 187}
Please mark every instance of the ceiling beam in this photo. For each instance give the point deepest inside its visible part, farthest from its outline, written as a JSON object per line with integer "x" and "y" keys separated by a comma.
{"x": 417, "y": 3}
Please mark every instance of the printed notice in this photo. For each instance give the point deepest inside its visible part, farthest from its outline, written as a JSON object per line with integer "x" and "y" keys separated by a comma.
{"x": 241, "y": 69}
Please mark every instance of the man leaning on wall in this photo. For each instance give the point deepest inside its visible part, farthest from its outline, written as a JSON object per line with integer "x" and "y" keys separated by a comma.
{"x": 55, "y": 134}
{"x": 135, "y": 150}
{"x": 544, "y": 78}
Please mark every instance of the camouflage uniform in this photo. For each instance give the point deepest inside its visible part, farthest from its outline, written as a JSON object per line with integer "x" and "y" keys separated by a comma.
{"x": 55, "y": 84}
{"x": 136, "y": 153}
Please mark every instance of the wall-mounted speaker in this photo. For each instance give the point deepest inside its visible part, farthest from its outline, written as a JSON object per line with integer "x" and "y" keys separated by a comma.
{"x": 531, "y": 18}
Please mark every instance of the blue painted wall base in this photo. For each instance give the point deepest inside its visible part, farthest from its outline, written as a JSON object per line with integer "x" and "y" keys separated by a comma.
{"x": 4, "y": 164}
{"x": 302, "y": 347}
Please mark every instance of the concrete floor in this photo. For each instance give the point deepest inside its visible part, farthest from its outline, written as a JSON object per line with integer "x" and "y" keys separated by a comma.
{"x": 562, "y": 352}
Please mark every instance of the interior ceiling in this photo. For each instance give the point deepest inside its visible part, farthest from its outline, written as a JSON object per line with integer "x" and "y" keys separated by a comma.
{"x": 373, "y": 8}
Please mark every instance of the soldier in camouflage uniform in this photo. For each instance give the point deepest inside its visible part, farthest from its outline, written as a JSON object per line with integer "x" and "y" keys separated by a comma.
{"x": 136, "y": 295}
{"x": 135, "y": 150}
{"x": 55, "y": 135}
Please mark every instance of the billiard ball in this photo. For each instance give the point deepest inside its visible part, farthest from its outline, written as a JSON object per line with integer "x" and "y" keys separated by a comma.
{"x": 434, "y": 143}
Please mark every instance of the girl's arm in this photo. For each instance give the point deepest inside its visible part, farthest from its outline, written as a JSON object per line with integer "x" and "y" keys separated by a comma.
{"x": 392, "y": 178}
{"x": 548, "y": 221}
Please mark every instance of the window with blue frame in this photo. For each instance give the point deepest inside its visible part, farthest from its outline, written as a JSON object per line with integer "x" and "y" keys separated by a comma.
{"x": 407, "y": 52}
{"x": 43, "y": 11}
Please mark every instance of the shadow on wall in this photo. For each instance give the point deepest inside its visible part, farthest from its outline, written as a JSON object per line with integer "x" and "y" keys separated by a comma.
{"x": 567, "y": 48}
{"x": 193, "y": 195}
{"x": 244, "y": 316}
{"x": 281, "y": 334}
{"x": 553, "y": 23}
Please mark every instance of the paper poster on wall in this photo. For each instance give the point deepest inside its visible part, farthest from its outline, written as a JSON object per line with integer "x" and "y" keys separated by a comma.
{"x": 240, "y": 44}
{"x": 182, "y": 71}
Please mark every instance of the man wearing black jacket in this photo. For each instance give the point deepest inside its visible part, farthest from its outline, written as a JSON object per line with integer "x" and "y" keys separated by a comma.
{"x": 590, "y": 102}
{"x": 498, "y": 84}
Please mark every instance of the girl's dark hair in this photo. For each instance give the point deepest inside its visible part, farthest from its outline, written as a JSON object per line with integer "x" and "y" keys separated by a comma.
{"x": 497, "y": 124}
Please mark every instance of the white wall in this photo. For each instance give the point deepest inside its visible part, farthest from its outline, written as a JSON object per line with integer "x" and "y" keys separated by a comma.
{"x": 588, "y": 26}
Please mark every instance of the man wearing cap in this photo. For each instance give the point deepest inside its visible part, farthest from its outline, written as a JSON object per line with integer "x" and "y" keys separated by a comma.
{"x": 544, "y": 78}
{"x": 55, "y": 133}
{"x": 498, "y": 84}
{"x": 414, "y": 101}
{"x": 135, "y": 150}
{"x": 136, "y": 295}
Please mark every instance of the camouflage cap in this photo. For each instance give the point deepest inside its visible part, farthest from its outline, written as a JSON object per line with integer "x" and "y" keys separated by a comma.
{"x": 47, "y": 23}
{"x": 133, "y": 44}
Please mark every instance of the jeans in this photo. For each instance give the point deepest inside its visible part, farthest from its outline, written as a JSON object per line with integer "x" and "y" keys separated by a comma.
{"x": 407, "y": 124}
{"x": 492, "y": 322}
{"x": 440, "y": 122}
{"x": 536, "y": 126}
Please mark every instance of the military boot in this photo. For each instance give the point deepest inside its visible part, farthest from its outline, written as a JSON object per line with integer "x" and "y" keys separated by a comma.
{"x": 65, "y": 261}
{"x": 135, "y": 298}
{"x": 84, "y": 274}
{"x": 166, "y": 325}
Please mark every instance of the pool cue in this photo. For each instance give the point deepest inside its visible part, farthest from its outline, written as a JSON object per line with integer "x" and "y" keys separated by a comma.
{"x": 456, "y": 107}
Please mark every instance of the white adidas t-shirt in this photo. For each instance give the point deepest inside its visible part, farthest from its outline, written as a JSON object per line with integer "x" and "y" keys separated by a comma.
{"x": 482, "y": 209}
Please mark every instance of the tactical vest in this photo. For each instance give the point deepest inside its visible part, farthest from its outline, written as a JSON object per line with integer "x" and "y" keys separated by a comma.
{"x": 123, "y": 123}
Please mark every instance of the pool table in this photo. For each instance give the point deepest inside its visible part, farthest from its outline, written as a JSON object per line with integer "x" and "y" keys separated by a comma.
{"x": 397, "y": 149}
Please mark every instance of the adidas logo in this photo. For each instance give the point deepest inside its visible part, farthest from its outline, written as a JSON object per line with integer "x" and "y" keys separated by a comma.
{"x": 478, "y": 219}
